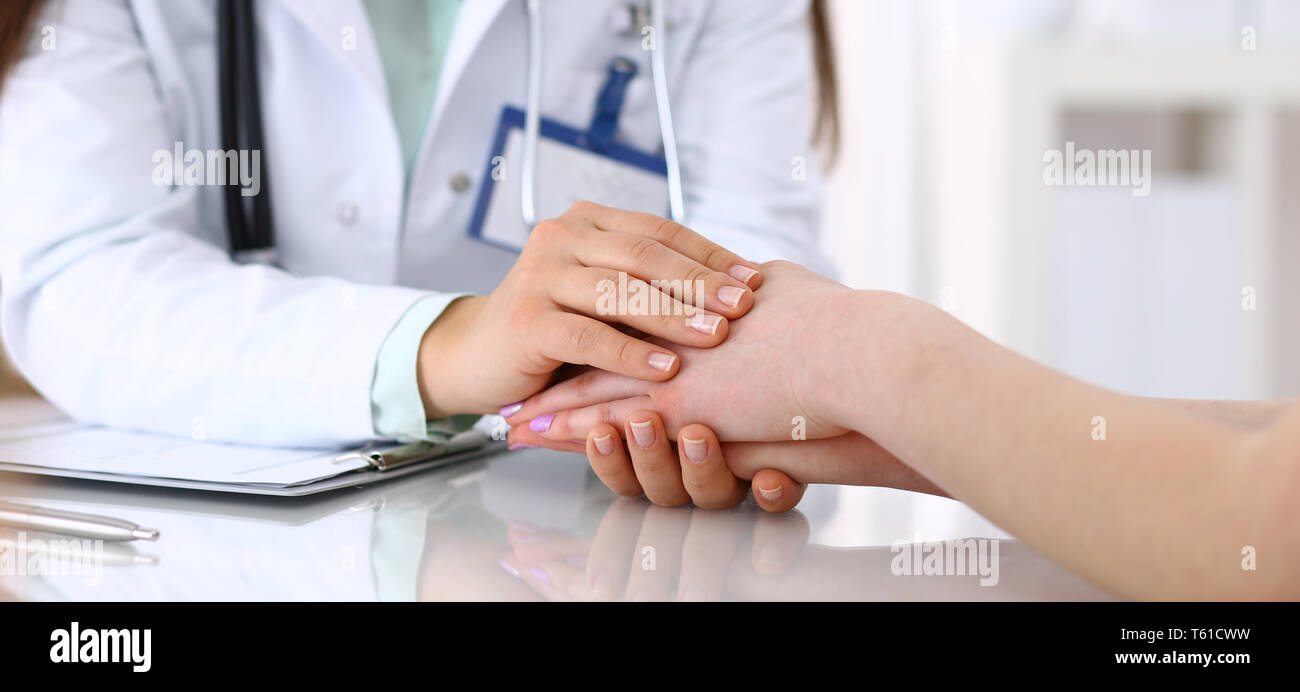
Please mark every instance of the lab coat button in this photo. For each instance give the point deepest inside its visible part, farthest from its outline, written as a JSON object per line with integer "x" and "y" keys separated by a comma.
{"x": 459, "y": 182}
{"x": 346, "y": 213}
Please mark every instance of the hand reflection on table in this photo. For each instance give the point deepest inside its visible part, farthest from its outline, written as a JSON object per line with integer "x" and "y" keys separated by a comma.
{"x": 646, "y": 553}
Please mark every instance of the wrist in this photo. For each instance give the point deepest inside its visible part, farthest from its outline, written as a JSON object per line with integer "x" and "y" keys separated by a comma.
{"x": 440, "y": 364}
{"x": 874, "y": 354}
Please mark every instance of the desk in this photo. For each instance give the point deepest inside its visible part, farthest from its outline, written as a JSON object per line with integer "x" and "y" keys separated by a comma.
{"x": 525, "y": 525}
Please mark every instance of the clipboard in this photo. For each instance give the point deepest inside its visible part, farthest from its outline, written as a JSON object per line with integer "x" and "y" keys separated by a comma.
{"x": 152, "y": 460}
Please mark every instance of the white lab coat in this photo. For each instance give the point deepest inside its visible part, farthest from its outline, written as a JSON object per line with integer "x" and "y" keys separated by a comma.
{"x": 119, "y": 301}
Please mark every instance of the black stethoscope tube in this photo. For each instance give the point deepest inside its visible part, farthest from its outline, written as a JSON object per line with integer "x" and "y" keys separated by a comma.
{"x": 248, "y": 219}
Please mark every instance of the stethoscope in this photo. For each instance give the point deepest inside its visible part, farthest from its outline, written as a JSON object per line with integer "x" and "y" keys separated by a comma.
{"x": 248, "y": 219}
{"x": 532, "y": 118}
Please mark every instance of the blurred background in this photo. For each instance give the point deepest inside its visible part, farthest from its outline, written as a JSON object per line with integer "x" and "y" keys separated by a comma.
{"x": 948, "y": 108}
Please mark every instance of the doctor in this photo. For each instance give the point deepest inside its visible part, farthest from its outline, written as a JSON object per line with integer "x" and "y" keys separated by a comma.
{"x": 121, "y": 302}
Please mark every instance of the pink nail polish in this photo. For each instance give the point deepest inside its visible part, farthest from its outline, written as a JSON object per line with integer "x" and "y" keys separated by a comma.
{"x": 542, "y": 423}
{"x": 511, "y": 409}
{"x": 519, "y": 445}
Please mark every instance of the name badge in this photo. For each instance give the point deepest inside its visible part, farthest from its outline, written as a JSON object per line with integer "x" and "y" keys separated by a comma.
{"x": 570, "y": 168}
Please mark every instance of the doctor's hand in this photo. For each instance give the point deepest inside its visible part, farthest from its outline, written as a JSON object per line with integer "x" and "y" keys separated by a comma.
{"x": 590, "y": 267}
{"x": 760, "y": 386}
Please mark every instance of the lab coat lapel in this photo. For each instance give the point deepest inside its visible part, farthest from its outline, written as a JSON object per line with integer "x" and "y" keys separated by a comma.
{"x": 472, "y": 24}
{"x": 343, "y": 27}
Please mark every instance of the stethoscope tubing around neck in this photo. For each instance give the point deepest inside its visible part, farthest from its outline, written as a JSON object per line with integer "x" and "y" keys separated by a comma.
{"x": 532, "y": 117}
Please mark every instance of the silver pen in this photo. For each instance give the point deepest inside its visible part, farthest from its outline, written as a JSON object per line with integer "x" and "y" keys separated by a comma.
{"x": 32, "y": 518}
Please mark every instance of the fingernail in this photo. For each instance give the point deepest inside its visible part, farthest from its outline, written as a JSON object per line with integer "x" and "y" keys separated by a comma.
{"x": 542, "y": 423}
{"x": 771, "y": 494}
{"x": 742, "y": 273}
{"x": 509, "y": 568}
{"x": 604, "y": 444}
{"x": 730, "y": 295}
{"x": 705, "y": 324}
{"x": 662, "y": 361}
{"x": 540, "y": 575}
{"x": 696, "y": 450}
{"x": 511, "y": 409}
{"x": 519, "y": 445}
{"x": 643, "y": 433}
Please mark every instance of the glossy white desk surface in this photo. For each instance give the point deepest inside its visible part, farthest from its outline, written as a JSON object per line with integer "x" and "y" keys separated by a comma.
{"x": 526, "y": 525}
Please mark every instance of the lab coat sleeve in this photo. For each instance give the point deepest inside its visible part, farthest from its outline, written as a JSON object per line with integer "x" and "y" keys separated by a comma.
{"x": 113, "y": 306}
{"x": 743, "y": 106}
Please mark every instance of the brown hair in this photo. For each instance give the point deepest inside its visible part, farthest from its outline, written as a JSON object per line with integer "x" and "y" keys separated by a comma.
{"x": 15, "y": 16}
{"x": 826, "y": 128}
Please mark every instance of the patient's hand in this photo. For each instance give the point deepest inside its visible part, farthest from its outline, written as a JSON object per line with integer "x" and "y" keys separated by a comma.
{"x": 753, "y": 387}
{"x": 696, "y": 468}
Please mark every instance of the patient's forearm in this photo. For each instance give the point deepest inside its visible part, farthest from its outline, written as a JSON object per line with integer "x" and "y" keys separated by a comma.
{"x": 1245, "y": 414}
{"x": 1149, "y": 499}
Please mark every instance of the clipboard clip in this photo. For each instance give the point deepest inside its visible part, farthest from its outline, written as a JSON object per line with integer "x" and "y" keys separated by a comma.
{"x": 397, "y": 456}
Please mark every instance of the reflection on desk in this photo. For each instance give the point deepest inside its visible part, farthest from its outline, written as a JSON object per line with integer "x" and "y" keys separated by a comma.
{"x": 536, "y": 525}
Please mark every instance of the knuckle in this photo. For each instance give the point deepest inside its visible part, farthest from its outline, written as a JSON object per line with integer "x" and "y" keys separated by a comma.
{"x": 717, "y": 256}
{"x": 605, "y": 415}
{"x": 583, "y": 383}
{"x": 642, "y": 251}
{"x": 627, "y": 356}
{"x": 699, "y": 273}
{"x": 583, "y": 208}
{"x": 548, "y": 231}
{"x": 584, "y": 336}
{"x": 666, "y": 230}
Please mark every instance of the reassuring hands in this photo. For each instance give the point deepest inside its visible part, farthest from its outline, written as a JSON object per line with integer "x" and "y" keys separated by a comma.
{"x": 755, "y": 389}
{"x": 487, "y": 351}
{"x": 673, "y": 461}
